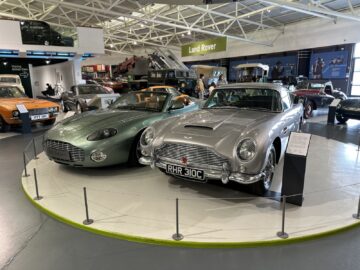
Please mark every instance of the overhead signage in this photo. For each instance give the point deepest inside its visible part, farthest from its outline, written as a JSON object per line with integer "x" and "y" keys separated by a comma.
{"x": 204, "y": 47}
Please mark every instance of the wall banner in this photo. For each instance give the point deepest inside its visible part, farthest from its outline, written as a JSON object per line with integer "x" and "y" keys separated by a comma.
{"x": 204, "y": 47}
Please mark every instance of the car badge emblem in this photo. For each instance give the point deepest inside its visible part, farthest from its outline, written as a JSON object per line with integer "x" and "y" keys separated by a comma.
{"x": 184, "y": 160}
{"x": 188, "y": 137}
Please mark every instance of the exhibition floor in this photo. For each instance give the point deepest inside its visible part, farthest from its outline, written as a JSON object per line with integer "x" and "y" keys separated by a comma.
{"x": 139, "y": 203}
{"x": 32, "y": 240}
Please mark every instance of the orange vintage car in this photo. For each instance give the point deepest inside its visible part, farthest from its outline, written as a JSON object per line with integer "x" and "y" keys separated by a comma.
{"x": 39, "y": 110}
{"x": 169, "y": 89}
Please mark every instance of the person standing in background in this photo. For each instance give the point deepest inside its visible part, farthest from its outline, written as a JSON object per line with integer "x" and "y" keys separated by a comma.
{"x": 200, "y": 86}
{"x": 221, "y": 80}
{"x": 212, "y": 88}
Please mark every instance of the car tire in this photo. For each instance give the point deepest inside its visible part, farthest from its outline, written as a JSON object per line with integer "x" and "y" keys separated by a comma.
{"x": 4, "y": 127}
{"x": 49, "y": 122}
{"x": 308, "y": 109}
{"x": 341, "y": 119}
{"x": 264, "y": 184}
{"x": 135, "y": 152}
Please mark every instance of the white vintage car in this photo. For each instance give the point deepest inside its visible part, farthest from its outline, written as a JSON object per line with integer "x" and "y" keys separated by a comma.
{"x": 239, "y": 135}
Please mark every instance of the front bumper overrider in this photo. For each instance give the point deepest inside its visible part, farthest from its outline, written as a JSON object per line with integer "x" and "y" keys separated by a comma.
{"x": 210, "y": 172}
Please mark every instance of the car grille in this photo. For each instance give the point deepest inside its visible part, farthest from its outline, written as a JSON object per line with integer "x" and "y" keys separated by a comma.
{"x": 38, "y": 111}
{"x": 76, "y": 154}
{"x": 195, "y": 155}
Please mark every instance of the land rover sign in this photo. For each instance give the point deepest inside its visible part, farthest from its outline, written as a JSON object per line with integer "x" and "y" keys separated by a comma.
{"x": 204, "y": 47}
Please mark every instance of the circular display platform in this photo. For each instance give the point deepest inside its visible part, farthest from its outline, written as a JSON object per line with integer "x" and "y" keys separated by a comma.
{"x": 138, "y": 204}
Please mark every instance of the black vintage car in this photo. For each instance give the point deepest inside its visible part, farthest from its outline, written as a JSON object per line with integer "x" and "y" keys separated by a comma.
{"x": 348, "y": 109}
{"x": 183, "y": 80}
{"x": 40, "y": 33}
{"x": 77, "y": 97}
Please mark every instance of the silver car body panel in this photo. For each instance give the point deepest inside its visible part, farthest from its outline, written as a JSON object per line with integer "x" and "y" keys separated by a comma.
{"x": 219, "y": 131}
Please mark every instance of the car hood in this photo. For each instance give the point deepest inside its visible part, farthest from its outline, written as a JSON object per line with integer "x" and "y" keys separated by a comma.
{"x": 306, "y": 92}
{"x": 215, "y": 126}
{"x": 30, "y": 103}
{"x": 351, "y": 104}
{"x": 82, "y": 125}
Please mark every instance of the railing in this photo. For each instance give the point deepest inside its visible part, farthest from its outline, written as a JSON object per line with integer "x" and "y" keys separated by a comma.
{"x": 276, "y": 202}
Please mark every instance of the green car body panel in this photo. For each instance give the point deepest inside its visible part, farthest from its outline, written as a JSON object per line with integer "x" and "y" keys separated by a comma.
{"x": 72, "y": 133}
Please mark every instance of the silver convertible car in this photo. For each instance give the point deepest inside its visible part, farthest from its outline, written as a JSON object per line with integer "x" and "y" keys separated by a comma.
{"x": 239, "y": 135}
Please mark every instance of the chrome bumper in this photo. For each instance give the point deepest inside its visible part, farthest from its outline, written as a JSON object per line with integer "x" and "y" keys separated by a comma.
{"x": 209, "y": 172}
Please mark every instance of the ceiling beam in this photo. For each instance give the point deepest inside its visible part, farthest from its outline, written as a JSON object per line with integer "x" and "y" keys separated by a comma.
{"x": 115, "y": 15}
{"x": 312, "y": 10}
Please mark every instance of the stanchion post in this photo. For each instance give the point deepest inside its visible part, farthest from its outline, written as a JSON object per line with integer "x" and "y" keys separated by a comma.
{"x": 38, "y": 197}
{"x": 357, "y": 215}
{"x": 177, "y": 236}
{"x": 87, "y": 221}
{"x": 25, "y": 169}
{"x": 34, "y": 145}
{"x": 282, "y": 234}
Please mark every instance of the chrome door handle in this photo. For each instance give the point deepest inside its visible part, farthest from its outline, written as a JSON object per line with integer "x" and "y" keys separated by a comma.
{"x": 285, "y": 129}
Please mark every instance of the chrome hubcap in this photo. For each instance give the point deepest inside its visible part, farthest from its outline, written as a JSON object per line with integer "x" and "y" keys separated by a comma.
{"x": 269, "y": 171}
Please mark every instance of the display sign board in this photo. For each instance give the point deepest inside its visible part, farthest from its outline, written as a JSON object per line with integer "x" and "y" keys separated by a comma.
{"x": 329, "y": 65}
{"x": 204, "y": 47}
{"x": 21, "y": 108}
{"x": 298, "y": 144}
{"x": 335, "y": 102}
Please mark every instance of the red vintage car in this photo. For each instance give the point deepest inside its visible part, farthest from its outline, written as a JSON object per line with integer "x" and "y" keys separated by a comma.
{"x": 316, "y": 95}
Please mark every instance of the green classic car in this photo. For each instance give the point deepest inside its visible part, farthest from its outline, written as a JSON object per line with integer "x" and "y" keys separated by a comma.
{"x": 111, "y": 136}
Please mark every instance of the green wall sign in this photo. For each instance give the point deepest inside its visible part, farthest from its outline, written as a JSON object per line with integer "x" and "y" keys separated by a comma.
{"x": 204, "y": 47}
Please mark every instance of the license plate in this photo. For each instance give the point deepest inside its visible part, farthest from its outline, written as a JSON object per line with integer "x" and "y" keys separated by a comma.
{"x": 58, "y": 154}
{"x": 39, "y": 117}
{"x": 185, "y": 172}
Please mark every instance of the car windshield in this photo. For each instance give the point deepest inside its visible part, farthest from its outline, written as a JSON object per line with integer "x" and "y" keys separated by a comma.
{"x": 316, "y": 86}
{"x": 310, "y": 85}
{"x": 11, "y": 92}
{"x": 7, "y": 80}
{"x": 91, "y": 89}
{"x": 245, "y": 98}
{"x": 144, "y": 100}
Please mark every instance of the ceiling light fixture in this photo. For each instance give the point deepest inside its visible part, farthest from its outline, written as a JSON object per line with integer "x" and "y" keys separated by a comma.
{"x": 47, "y": 61}
{"x": 189, "y": 33}
{"x": 182, "y": 35}
{"x": 135, "y": 42}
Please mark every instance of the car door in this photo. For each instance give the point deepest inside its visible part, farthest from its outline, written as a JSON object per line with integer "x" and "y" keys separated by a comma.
{"x": 290, "y": 115}
{"x": 71, "y": 97}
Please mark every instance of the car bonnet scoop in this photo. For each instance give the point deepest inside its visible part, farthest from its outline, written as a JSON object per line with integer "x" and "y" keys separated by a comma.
{"x": 206, "y": 125}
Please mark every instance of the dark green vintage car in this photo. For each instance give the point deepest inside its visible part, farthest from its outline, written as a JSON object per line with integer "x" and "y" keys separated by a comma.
{"x": 111, "y": 136}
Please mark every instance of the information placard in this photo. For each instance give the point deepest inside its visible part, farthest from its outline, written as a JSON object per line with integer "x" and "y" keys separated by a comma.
{"x": 298, "y": 144}
{"x": 21, "y": 108}
{"x": 335, "y": 102}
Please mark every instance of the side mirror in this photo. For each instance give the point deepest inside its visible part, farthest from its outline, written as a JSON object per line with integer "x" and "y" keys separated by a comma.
{"x": 176, "y": 104}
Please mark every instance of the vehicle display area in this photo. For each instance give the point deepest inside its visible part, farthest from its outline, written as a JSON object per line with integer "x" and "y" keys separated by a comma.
{"x": 139, "y": 203}
{"x": 160, "y": 135}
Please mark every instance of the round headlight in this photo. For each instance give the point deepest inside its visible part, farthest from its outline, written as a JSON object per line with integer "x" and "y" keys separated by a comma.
{"x": 148, "y": 136}
{"x": 15, "y": 113}
{"x": 246, "y": 149}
